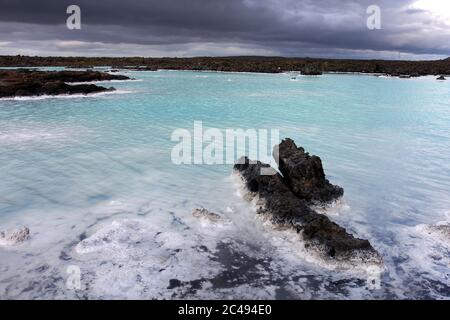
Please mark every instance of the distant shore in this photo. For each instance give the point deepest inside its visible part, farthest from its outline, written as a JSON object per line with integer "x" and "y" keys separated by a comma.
{"x": 241, "y": 64}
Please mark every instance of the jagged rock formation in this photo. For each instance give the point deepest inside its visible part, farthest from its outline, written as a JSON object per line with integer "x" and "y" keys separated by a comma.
{"x": 26, "y": 82}
{"x": 275, "y": 198}
{"x": 304, "y": 174}
{"x": 14, "y": 237}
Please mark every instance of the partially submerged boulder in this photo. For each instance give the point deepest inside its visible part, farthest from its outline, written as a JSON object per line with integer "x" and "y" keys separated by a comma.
{"x": 202, "y": 213}
{"x": 274, "y": 197}
{"x": 439, "y": 231}
{"x": 208, "y": 218}
{"x": 304, "y": 174}
{"x": 441, "y": 78}
{"x": 14, "y": 237}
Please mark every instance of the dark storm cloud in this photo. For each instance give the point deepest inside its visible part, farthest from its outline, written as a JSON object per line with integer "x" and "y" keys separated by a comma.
{"x": 324, "y": 27}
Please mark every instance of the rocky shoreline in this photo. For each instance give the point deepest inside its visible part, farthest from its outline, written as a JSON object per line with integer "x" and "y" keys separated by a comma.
{"x": 27, "y": 82}
{"x": 287, "y": 200}
{"x": 242, "y": 64}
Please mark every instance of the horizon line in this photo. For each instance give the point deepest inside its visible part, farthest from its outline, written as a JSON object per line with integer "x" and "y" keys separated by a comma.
{"x": 219, "y": 57}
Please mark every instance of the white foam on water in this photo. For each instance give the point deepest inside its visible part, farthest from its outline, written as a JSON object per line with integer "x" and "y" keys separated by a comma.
{"x": 335, "y": 208}
{"x": 291, "y": 243}
{"x": 105, "y": 81}
{"x": 120, "y": 258}
{"x": 207, "y": 223}
{"x": 66, "y": 96}
{"x": 419, "y": 262}
{"x": 139, "y": 258}
{"x": 7, "y": 243}
{"x": 136, "y": 259}
{"x": 28, "y": 132}
{"x": 26, "y": 135}
{"x": 439, "y": 232}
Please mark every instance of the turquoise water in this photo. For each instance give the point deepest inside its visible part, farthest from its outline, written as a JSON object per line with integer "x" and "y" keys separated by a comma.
{"x": 71, "y": 166}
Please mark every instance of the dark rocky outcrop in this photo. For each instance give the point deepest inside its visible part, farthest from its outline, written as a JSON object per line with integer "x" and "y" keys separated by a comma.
{"x": 441, "y": 78}
{"x": 304, "y": 174}
{"x": 78, "y": 76}
{"x": 275, "y": 199}
{"x": 25, "y": 82}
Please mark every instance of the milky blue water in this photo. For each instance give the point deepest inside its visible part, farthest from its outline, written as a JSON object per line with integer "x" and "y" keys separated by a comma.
{"x": 99, "y": 167}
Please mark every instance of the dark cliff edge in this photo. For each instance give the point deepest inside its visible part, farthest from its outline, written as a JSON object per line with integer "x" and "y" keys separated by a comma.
{"x": 26, "y": 82}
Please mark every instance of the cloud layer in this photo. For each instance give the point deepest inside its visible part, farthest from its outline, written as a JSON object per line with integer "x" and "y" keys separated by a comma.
{"x": 325, "y": 28}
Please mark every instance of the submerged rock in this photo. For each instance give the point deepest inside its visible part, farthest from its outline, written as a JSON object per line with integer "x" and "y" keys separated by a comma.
{"x": 205, "y": 214}
{"x": 304, "y": 174}
{"x": 14, "y": 237}
{"x": 275, "y": 199}
{"x": 441, "y": 78}
{"x": 439, "y": 231}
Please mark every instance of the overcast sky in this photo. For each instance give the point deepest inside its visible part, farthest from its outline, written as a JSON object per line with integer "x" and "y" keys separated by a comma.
{"x": 417, "y": 29}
